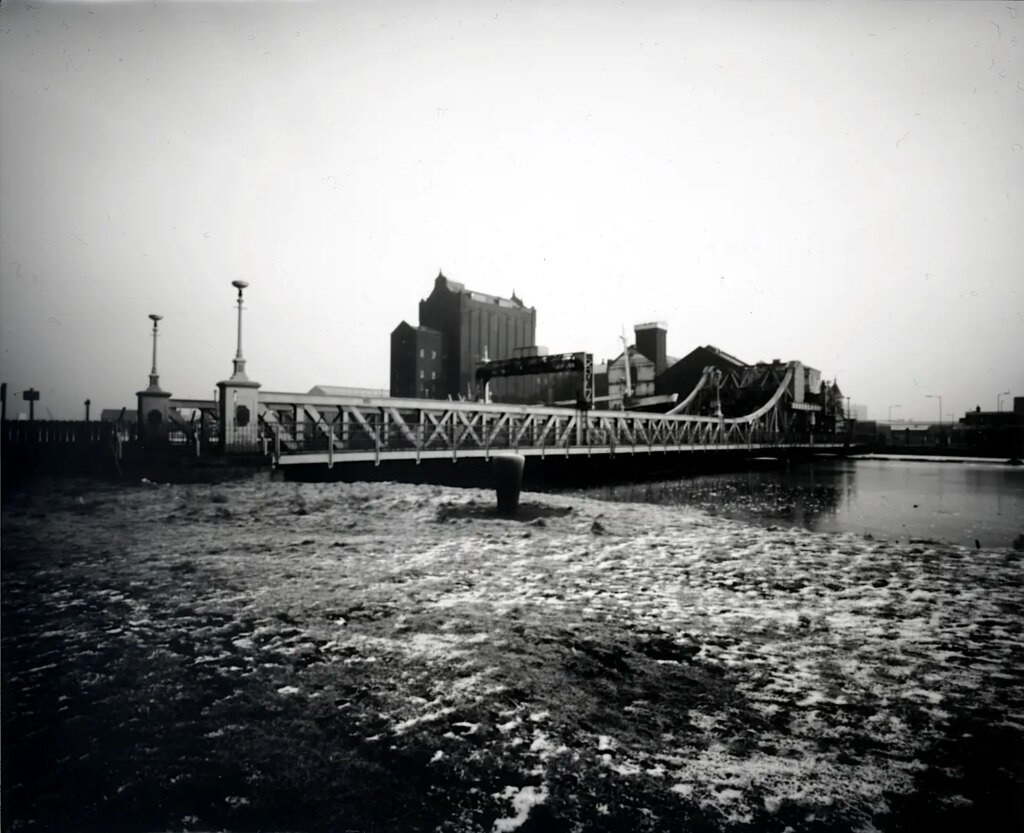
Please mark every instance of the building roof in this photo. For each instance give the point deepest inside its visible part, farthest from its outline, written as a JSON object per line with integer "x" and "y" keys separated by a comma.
{"x": 635, "y": 358}
{"x": 418, "y": 328}
{"x": 480, "y": 297}
{"x": 727, "y": 356}
{"x": 113, "y": 414}
{"x": 449, "y": 284}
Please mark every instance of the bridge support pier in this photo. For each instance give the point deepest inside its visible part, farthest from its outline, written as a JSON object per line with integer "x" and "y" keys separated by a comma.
{"x": 508, "y": 481}
{"x": 239, "y": 410}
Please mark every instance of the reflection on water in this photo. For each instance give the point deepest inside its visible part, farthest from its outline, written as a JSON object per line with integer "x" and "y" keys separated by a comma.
{"x": 953, "y": 502}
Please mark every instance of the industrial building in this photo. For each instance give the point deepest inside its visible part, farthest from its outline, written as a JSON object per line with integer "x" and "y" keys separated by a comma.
{"x": 682, "y": 376}
{"x": 461, "y": 330}
{"x": 417, "y": 367}
{"x": 457, "y": 328}
{"x": 641, "y": 377}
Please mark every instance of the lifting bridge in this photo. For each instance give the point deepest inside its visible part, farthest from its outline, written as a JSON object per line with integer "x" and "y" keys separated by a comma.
{"x": 304, "y": 429}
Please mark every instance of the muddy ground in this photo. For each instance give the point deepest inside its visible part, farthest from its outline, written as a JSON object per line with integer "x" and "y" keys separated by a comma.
{"x": 383, "y": 657}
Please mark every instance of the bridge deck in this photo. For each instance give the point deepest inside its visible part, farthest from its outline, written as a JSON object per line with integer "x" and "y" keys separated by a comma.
{"x": 373, "y": 456}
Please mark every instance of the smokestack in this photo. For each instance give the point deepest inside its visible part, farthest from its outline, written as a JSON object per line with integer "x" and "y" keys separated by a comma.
{"x": 650, "y": 340}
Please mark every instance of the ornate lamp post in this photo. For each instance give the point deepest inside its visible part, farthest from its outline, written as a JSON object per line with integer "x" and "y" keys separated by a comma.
{"x": 154, "y": 378}
{"x": 239, "y": 360}
{"x": 890, "y": 411}
{"x": 999, "y": 400}
{"x": 936, "y": 396}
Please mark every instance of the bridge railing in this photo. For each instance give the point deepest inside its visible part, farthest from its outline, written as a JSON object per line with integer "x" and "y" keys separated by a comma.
{"x": 303, "y": 425}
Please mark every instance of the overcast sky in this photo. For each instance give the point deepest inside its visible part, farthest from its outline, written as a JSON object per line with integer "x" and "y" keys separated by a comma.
{"x": 841, "y": 184}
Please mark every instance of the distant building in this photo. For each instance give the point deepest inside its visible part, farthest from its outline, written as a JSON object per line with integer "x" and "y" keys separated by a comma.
{"x": 127, "y": 415}
{"x": 641, "y": 376}
{"x": 682, "y": 376}
{"x": 994, "y": 432}
{"x": 460, "y": 325}
{"x": 417, "y": 363}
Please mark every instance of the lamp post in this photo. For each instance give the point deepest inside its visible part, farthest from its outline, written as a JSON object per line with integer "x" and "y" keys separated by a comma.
{"x": 88, "y": 402}
{"x": 936, "y": 396}
{"x": 239, "y": 360}
{"x": 999, "y": 400}
{"x": 154, "y": 378}
{"x": 890, "y": 411}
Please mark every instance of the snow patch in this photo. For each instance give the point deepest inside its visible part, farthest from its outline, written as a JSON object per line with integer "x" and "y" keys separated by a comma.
{"x": 523, "y": 799}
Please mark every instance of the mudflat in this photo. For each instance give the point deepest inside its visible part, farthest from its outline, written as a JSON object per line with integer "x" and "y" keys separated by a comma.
{"x": 386, "y": 657}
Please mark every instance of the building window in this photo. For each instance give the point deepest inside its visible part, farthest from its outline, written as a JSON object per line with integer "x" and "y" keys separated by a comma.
{"x": 421, "y": 374}
{"x": 433, "y": 354}
{"x": 421, "y": 352}
{"x": 433, "y": 375}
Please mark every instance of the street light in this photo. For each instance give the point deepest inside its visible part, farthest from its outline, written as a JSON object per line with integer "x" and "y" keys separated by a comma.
{"x": 154, "y": 377}
{"x": 239, "y": 360}
{"x": 999, "y": 400}
{"x": 890, "y": 411}
{"x": 936, "y": 396}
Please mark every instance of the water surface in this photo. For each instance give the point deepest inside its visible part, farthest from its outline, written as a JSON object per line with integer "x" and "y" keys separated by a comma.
{"x": 959, "y": 503}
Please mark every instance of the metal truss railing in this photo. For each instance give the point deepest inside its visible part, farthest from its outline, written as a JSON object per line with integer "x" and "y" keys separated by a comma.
{"x": 330, "y": 428}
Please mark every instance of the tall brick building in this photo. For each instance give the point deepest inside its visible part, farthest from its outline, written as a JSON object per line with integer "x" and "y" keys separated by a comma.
{"x": 416, "y": 362}
{"x": 463, "y": 323}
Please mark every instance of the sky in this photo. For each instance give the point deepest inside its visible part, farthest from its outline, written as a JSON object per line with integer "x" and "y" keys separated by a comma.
{"x": 839, "y": 184}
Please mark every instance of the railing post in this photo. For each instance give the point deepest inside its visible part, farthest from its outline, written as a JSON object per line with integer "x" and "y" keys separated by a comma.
{"x": 277, "y": 446}
{"x": 330, "y": 443}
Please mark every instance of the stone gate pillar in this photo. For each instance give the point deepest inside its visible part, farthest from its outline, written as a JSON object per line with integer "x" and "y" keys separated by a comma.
{"x": 153, "y": 404}
{"x": 239, "y": 400}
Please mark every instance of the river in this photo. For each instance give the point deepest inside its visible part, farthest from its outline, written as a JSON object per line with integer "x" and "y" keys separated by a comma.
{"x": 958, "y": 503}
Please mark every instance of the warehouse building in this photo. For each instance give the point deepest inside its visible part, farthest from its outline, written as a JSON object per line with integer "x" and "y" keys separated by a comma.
{"x": 457, "y": 328}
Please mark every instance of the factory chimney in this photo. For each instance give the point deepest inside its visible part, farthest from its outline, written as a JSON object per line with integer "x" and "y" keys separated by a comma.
{"x": 650, "y": 340}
